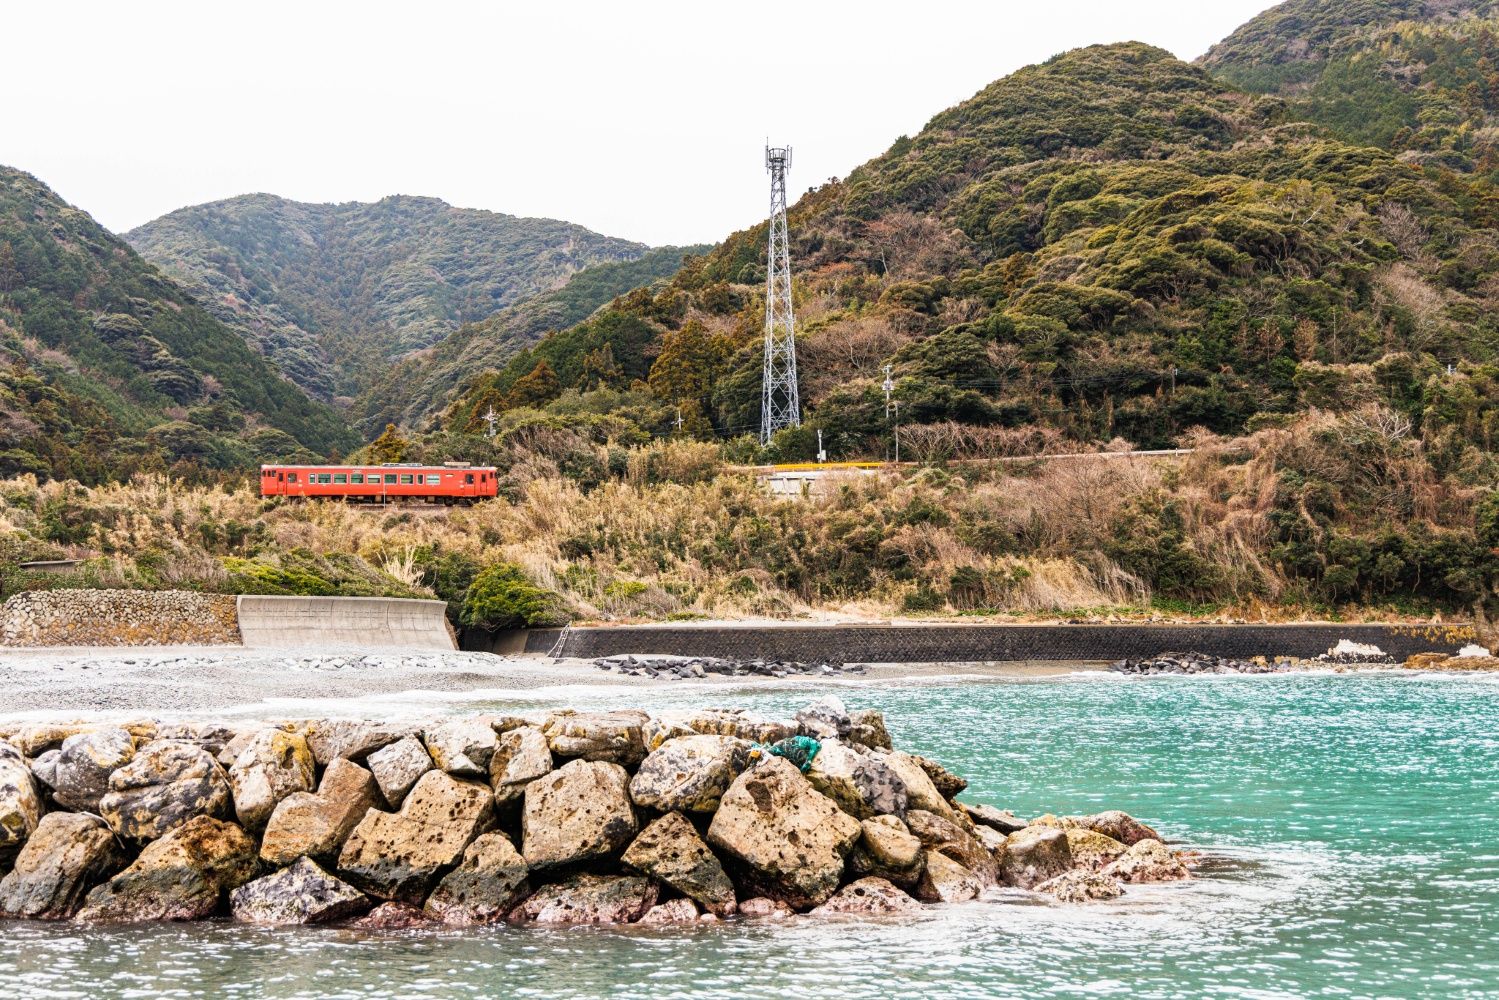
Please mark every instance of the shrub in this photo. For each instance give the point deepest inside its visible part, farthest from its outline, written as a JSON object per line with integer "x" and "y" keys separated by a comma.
{"x": 502, "y": 597}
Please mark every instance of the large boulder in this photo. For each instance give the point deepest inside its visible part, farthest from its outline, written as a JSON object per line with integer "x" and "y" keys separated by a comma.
{"x": 273, "y": 765}
{"x": 674, "y": 911}
{"x": 943, "y": 880}
{"x": 869, "y": 729}
{"x": 861, "y": 784}
{"x": 579, "y": 812}
{"x": 1148, "y": 861}
{"x": 330, "y": 739}
{"x": 689, "y": 773}
{"x": 301, "y": 894}
{"x": 394, "y": 917}
{"x": 921, "y": 793}
{"x": 81, "y": 773}
{"x": 68, "y": 854}
{"x": 521, "y": 756}
{"x": 184, "y": 875}
{"x": 948, "y": 838}
{"x": 887, "y": 850}
{"x": 1034, "y": 855}
{"x": 44, "y": 768}
{"x": 20, "y": 800}
{"x": 489, "y": 883}
{"x": 614, "y": 737}
{"x": 166, "y": 783}
{"x": 740, "y": 723}
{"x": 590, "y": 899}
{"x": 315, "y": 825}
{"x": 1079, "y": 886}
{"x": 670, "y": 851}
{"x": 666, "y": 726}
{"x": 398, "y": 856}
{"x": 397, "y": 768}
{"x": 1091, "y": 849}
{"x": 1121, "y": 826}
{"x": 999, "y": 820}
{"x": 948, "y": 785}
{"x": 825, "y": 719}
{"x": 869, "y": 896}
{"x": 790, "y": 839}
{"x": 462, "y": 748}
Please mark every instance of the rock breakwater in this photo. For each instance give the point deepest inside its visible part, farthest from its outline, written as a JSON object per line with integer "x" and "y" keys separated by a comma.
{"x": 665, "y": 667}
{"x": 118, "y": 618}
{"x": 1196, "y": 663}
{"x": 563, "y": 818}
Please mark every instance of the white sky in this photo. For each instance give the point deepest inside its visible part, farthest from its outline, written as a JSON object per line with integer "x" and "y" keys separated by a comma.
{"x": 643, "y": 120}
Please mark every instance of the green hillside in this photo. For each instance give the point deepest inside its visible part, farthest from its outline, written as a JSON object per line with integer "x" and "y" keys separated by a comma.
{"x": 333, "y": 293}
{"x": 416, "y": 389}
{"x": 107, "y": 366}
{"x": 1420, "y": 77}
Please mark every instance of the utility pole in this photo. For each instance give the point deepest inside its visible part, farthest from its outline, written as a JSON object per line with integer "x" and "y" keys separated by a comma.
{"x": 822, "y": 456}
{"x": 679, "y": 418}
{"x": 889, "y": 386}
{"x": 780, "y": 405}
{"x": 490, "y": 419}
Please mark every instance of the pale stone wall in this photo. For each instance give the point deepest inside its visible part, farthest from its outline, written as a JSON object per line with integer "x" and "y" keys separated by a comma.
{"x": 117, "y": 618}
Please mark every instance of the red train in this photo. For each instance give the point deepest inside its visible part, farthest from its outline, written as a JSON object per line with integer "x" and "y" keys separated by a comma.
{"x": 452, "y": 483}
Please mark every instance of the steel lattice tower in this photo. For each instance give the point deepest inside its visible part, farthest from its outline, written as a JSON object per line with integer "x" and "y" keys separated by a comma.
{"x": 780, "y": 405}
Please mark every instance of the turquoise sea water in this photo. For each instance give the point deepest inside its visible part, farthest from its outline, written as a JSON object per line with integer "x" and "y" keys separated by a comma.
{"x": 1352, "y": 821}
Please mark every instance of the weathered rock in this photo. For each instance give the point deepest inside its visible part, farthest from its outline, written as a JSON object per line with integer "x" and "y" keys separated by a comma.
{"x": 579, "y": 812}
{"x": 825, "y": 719}
{"x": 887, "y": 850}
{"x": 791, "y": 839}
{"x": 615, "y": 737}
{"x": 869, "y": 897}
{"x": 1091, "y": 849}
{"x": 20, "y": 800}
{"x": 869, "y": 729}
{"x": 946, "y": 837}
{"x": 946, "y": 783}
{"x": 272, "y": 766}
{"x": 920, "y": 792}
{"x": 397, "y": 856}
{"x": 992, "y": 839}
{"x": 68, "y": 854}
{"x": 301, "y": 894}
{"x": 1121, "y": 826}
{"x": 317, "y": 825}
{"x": 44, "y": 768}
{"x": 690, "y": 773}
{"x": 330, "y": 739}
{"x": 670, "y": 851}
{"x": 996, "y": 819}
{"x": 34, "y": 739}
{"x": 1034, "y": 855}
{"x": 521, "y": 756}
{"x": 943, "y": 880}
{"x": 590, "y": 899}
{"x": 1148, "y": 861}
{"x": 1079, "y": 886}
{"x": 84, "y": 765}
{"x": 463, "y": 748}
{"x": 673, "y": 911}
{"x": 211, "y": 736}
{"x": 739, "y": 723}
{"x": 761, "y": 907}
{"x": 666, "y": 726}
{"x": 182, "y": 876}
{"x": 166, "y": 783}
{"x": 485, "y": 887}
{"x": 398, "y": 767}
{"x": 862, "y": 785}
{"x": 229, "y": 753}
{"x": 394, "y": 917}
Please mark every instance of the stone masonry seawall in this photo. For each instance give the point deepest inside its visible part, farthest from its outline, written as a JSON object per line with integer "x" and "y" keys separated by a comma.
{"x": 117, "y": 618}
{"x": 983, "y": 643}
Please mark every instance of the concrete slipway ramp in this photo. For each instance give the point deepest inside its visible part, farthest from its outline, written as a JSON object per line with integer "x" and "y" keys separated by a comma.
{"x": 287, "y": 622}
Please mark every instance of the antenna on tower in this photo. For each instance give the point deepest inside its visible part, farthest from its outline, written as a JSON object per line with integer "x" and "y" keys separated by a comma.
{"x": 490, "y": 418}
{"x": 780, "y": 405}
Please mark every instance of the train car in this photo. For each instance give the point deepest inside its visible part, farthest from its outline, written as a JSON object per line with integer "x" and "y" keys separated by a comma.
{"x": 452, "y": 483}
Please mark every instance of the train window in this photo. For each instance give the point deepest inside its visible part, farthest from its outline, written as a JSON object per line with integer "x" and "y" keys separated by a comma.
{"x": 324, "y": 478}
{"x": 340, "y": 477}
{"x": 406, "y": 479}
{"x": 282, "y": 476}
{"x": 433, "y": 480}
{"x": 291, "y": 477}
{"x": 356, "y": 477}
{"x": 390, "y": 477}
{"x": 468, "y": 478}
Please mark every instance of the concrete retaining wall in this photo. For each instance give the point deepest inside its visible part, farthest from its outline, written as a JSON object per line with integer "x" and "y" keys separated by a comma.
{"x": 354, "y": 621}
{"x": 980, "y": 643}
{"x": 76, "y": 617}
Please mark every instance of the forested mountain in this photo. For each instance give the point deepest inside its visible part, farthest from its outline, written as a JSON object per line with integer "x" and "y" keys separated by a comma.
{"x": 1417, "y": 76}
{"x": 333, "y": 293}
{"x": 107, "y": 366}
{"x": 1109, "y": 244}
{"x": 422, "y": 386}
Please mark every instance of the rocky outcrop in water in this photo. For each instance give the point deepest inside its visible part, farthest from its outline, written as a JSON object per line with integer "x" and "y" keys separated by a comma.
{"x": 572, "y": 817}
{"x": 1195, "y": 663}
{"x": 677, "y": 668}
